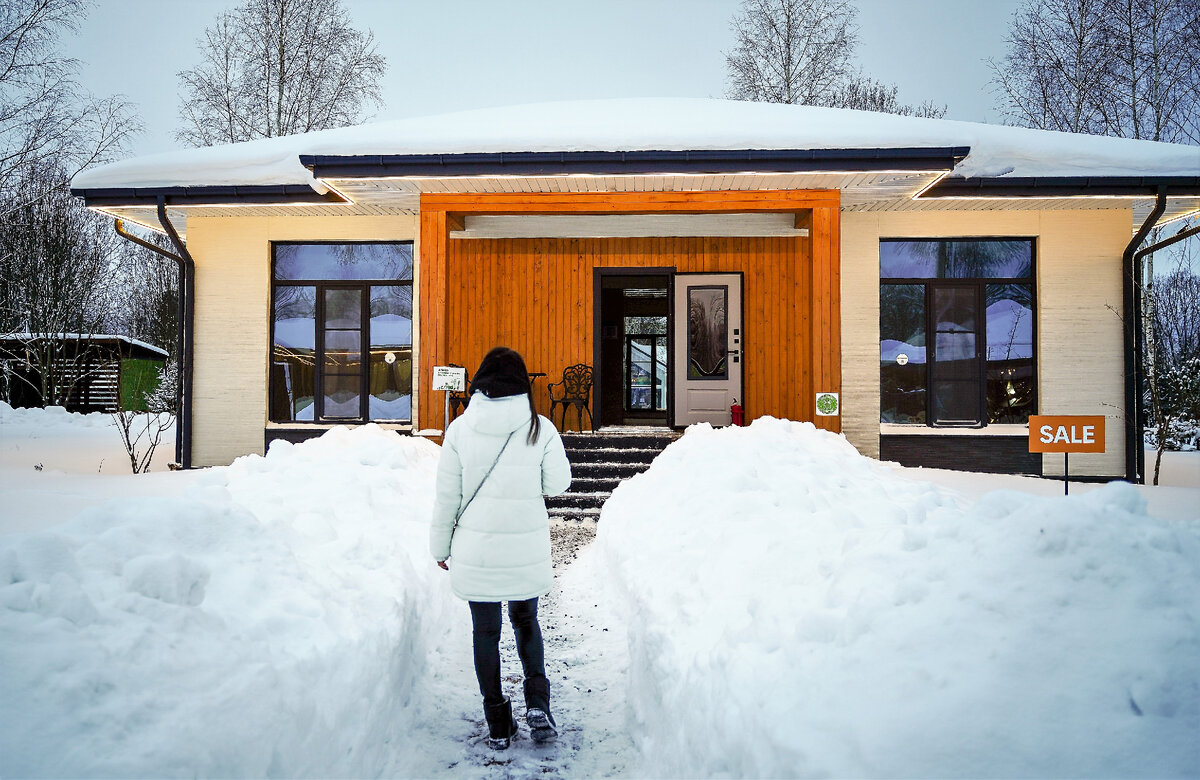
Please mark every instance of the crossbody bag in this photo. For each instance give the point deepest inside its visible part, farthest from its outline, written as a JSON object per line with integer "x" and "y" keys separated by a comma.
{"x": 478, "y": 487}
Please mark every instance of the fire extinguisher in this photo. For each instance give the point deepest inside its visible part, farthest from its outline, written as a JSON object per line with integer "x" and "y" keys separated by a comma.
{"x": 735, "y": 412}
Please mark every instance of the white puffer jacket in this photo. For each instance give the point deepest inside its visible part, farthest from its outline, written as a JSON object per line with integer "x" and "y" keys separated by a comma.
{"x": 500, "y": 550}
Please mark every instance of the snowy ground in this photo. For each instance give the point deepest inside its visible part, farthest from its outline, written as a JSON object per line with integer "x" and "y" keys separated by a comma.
{"x": 281, "y": 617}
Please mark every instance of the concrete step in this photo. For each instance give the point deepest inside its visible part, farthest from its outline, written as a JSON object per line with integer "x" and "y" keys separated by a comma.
{"x": 590, "y": 484}
{"x": 607, "y": 470}
{"x": 576, "y": 500}
{"x": 612, "y": 455}
{"x": 575, "y": 514}
{"x": 604, "y": 440}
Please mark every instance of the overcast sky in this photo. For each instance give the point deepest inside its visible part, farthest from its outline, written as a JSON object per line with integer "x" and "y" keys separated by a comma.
{"x": 447, "y": 55}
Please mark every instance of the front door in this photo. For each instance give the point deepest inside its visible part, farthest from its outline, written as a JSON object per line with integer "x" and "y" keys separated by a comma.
{"x": 708, "y": 347}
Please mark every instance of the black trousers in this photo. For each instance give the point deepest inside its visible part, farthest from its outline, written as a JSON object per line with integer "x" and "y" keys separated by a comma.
{"x": 485, "y": 621}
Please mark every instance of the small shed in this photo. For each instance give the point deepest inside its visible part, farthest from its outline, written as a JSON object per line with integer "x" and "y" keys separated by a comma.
{"x": 97, "y": 372}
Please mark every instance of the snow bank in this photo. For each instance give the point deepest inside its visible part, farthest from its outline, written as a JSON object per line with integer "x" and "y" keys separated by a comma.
{"x": 795, "y": 609}
{"x": 645, "y": 124}
{"x": 36, "y": 422}
{"x": 268, "y": 622}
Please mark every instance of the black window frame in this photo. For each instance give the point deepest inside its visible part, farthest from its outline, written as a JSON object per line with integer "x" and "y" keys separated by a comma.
{"x": 320, "y": 286}
{"x": 980, "y": 284}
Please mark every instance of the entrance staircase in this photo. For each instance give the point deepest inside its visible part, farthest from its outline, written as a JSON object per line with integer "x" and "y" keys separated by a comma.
{"x": 599, "y": 462}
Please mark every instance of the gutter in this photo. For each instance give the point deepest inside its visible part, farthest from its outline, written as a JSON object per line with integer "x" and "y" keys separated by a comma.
{"x": 1063, "y": 186}
{"x": 336, "y": 166}
{"x": 266, "y": 195}
{"x": 186, "y": 327}
{"x": 185, "y": 312}
{"x": 181, "y": 264}
{"x": 1131, "y": 299}
{"x": 1141, "y": 336}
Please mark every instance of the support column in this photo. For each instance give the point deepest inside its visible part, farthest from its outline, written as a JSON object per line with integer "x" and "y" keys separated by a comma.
{"x": 825, "y": 237}
{"x": 431, "y": 317}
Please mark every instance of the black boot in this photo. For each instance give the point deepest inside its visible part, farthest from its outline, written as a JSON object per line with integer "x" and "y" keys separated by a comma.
{"x": 501, "y": 725}
{"x": 542, "y": 727}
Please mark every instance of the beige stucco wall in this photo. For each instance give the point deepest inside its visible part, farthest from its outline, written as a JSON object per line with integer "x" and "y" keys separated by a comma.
{"x": 1079, "y": 351}
{"x": 233, "y": 293}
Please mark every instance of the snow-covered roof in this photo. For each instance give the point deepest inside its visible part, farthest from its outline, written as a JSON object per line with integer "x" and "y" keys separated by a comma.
{"x": 83, "y": 337}
{"x": 642, "y": 124}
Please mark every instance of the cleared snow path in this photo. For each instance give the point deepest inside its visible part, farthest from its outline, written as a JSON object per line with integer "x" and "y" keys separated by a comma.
{"x": 587, "y": 659}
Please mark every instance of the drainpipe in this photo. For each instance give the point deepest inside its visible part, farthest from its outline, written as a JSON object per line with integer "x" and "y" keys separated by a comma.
{"x": 1135, "y": 458}
{"x": 179, "y": 342}
{"x": 1137, "y": 260}
{"x": 187, "y": 326}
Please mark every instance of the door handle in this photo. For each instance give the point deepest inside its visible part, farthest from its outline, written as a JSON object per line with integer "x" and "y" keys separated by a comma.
{"x": 734, "y": 352}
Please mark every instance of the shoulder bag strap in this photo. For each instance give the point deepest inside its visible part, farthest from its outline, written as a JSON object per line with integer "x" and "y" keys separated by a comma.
{"x": 485, "y": 478}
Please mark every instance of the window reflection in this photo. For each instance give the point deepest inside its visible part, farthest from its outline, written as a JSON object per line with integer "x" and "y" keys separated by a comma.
{"x": 293, "y": 354}
{"x": 342, "y": 335}
{"x": 390, "y": 382}
{"x": 978, "y": 309}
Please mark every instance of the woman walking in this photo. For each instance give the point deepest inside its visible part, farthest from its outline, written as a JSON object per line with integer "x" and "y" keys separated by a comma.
{"x": 491, "y": 532}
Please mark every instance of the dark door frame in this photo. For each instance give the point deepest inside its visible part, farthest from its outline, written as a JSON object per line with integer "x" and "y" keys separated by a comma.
{"x": 598, "y": 273}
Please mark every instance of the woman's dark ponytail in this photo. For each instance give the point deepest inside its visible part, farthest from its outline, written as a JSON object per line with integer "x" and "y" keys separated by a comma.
{"x": 535, "y": 424}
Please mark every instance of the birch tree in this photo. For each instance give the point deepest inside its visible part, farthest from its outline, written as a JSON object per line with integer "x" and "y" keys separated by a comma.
{"x": 802, "y": 51}
{"x": 1128, "y": 68}
{"x": 277, "y": 67}
{"x": 46, "y": 117}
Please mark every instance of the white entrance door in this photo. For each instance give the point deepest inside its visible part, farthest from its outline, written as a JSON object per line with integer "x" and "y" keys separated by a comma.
{"x": 707, "y": 365}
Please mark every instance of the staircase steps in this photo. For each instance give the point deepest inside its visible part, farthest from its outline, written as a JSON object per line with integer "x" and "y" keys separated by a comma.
{"x": 600, "y": 461}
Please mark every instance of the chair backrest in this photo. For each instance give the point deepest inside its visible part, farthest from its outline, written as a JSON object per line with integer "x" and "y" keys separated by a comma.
{"x": 577, "y": 381}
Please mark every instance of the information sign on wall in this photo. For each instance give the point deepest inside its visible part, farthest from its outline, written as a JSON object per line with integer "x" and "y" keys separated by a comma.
{"x": 449, "y": 378}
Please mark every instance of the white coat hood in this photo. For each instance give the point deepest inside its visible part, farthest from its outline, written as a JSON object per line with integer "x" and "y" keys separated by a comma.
{"x": 496, "y": 416}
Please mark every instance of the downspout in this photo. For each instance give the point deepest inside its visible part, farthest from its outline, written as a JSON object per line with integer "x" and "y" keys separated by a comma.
{"x": 187, "y": 326}
{"x": 1135, "y": 458}
{"x": 1137, "y": 260}
{"x": 179, "y": 341}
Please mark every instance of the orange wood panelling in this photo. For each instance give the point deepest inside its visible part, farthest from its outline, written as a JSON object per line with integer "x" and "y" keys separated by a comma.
{"x": 826, "y": 310}
{"x": 536, "y": 295}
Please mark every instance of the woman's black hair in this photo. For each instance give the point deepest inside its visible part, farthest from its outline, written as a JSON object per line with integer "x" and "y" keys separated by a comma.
{"x": 502, "y": 373}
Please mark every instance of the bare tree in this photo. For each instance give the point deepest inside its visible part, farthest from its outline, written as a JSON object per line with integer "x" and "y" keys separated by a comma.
{"x": 802, "y": 51}
{"x": 1109, "y": 67}
{"x": 57, "y": 278}
{"x": 1126, "y": 68}
{"x": 147, "y": 300}
{"x": 278, "y": 67}
{"x": 45, "y": 116}
{"x": 142, "y": 429}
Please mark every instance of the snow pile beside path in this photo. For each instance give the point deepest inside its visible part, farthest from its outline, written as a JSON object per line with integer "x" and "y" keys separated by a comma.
{"x": 269, "y": 622}
{"x": 52, "y": 420}
{"x": 795, "y": 609}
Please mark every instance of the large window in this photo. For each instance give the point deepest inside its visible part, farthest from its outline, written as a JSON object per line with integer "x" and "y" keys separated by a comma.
{"x": 341, "y": 332}
{"x": 956, "y": 331}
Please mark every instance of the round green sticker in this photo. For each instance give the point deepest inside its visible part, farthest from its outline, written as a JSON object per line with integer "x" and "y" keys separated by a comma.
{"x": 827, "y": 403}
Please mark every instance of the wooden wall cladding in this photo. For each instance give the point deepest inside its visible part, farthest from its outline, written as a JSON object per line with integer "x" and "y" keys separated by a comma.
{"x": 536, "y": 296}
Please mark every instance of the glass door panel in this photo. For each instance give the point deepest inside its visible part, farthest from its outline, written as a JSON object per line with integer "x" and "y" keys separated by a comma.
{"x": 342, "y": 366}
{"x": 956, "y": 371}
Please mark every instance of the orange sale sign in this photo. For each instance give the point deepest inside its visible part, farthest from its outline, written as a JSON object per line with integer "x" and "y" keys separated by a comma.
{"x": 1066, "y": 433}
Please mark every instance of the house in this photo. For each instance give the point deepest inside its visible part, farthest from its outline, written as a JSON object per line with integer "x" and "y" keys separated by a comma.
{"x": 89, "y": 372}
{"x": 935, "y": 282}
